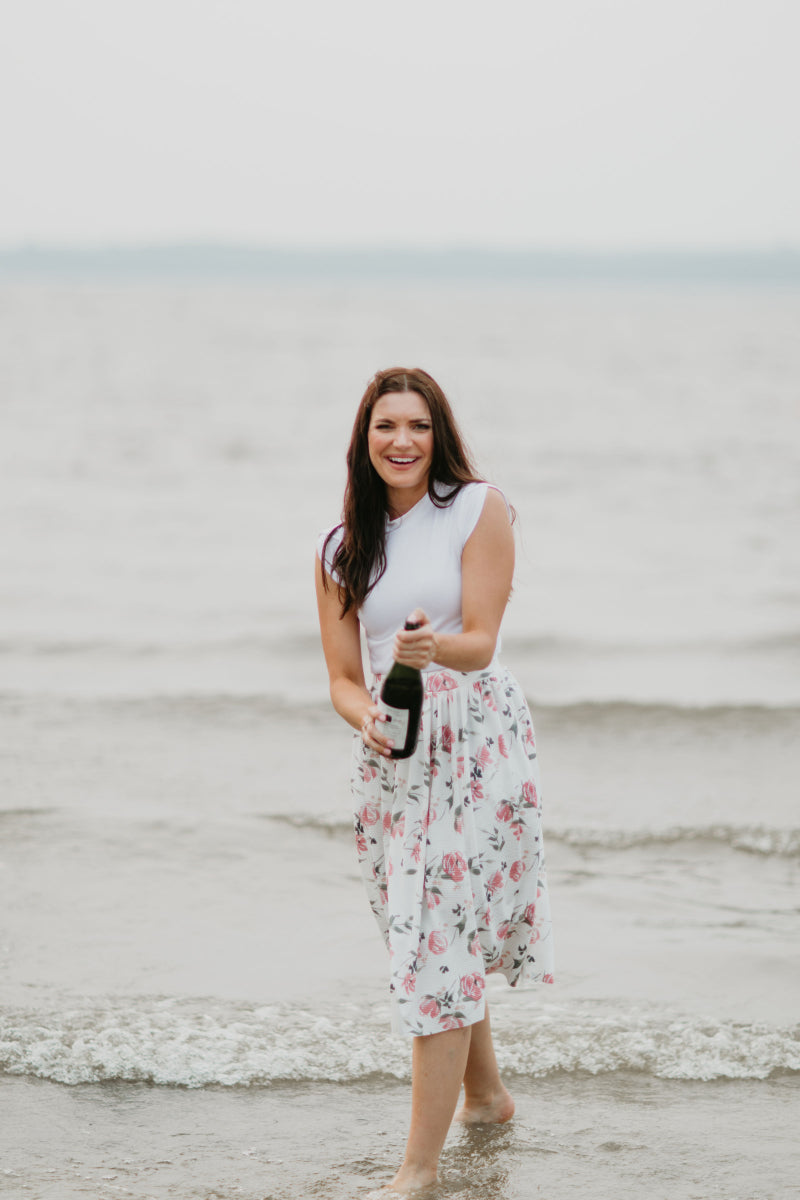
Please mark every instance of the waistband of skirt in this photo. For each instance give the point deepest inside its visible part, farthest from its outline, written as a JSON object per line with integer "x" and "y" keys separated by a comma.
{"x": 441, "y": 679}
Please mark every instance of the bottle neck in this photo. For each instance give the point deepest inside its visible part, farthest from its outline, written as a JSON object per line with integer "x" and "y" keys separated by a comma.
{"x": 401, "y": 671}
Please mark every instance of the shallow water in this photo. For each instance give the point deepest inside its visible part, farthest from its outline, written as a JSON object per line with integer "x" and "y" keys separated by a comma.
{"x": 623, "y": 1135}
{"x": 190, "y": 979}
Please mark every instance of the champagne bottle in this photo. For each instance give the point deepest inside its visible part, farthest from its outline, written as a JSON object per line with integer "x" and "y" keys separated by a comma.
{"x": 401, "y": 700}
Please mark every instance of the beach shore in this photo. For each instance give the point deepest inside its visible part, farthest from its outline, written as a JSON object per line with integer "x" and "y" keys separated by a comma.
{"x": 620, "y": 1136}
{"x": 193, "y": 992}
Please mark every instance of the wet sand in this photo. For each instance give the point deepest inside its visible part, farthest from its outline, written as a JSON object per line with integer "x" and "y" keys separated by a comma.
{"x": 184, "y": 937}
{"x": 620, "y": 1136}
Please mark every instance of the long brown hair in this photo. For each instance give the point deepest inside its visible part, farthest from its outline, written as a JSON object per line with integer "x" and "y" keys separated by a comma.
{"x": 360, "y": 559}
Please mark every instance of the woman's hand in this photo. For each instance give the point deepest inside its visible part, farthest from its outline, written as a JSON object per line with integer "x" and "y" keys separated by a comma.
{"x": 371, "y": 733}
{"x": 416, "y": 647}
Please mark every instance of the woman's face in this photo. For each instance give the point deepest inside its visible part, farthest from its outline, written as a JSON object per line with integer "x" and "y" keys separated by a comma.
{"x": 400, "y": 442}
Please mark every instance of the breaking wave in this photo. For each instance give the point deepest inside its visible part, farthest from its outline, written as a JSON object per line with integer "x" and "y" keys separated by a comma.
{"x": 198, "y": 1043}
{"x": 754, "y": 839}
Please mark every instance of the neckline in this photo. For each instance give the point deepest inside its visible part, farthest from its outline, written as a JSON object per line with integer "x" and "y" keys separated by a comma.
{"x": 394, "y": 522}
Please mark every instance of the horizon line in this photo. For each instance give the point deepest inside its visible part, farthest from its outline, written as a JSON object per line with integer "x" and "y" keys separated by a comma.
{"x": 201, "y": 258}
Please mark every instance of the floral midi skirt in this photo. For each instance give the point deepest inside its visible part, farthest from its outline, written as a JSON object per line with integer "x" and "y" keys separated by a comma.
{"x": 450, "y": 847}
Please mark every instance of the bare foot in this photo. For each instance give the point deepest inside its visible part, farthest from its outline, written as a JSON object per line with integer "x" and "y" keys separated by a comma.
{"x": 495, "y": 1110}
{"x": 407, "y": 1182}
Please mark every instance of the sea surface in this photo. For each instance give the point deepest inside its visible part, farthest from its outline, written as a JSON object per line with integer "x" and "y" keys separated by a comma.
{"x": 192, "y": 989}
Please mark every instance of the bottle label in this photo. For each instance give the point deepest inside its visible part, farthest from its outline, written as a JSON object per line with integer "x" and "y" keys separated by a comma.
{"x": 396, "y": 727}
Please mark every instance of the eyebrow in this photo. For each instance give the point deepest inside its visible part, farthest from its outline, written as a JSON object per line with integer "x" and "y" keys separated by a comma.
{"x": 393, "y": 420}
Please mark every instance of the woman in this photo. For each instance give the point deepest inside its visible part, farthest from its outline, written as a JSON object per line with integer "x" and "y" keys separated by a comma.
{"x": 449, "y": 840}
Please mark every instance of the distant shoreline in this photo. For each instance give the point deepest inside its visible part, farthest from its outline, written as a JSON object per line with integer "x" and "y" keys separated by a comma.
{"x": 220, "y": 261}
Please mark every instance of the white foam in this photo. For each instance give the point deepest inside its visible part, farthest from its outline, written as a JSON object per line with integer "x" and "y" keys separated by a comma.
{"x": 755, "y": 839}
{"x": 195, "y": 1043}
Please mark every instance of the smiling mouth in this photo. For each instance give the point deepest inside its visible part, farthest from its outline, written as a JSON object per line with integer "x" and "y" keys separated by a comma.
{"x": 400, "y": 462}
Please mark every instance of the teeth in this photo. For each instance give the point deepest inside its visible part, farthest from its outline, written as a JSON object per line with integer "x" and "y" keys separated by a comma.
{"x": 402, "y": 460}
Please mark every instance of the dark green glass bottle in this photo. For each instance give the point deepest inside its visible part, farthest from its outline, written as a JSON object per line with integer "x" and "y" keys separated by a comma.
{"x": 401, "y": 699}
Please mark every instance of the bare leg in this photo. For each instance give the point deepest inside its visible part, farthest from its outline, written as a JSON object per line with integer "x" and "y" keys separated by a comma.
{"x": 438, "y": 1065}
{"x": 486, "y": 1100}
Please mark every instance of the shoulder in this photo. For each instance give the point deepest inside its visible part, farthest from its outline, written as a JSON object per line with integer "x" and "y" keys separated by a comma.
{"x": 328, "y": 543}
{"x": 473, "y": 501}
{"x": 495, "y": 516}
{"x": 490, "y": 545}
{"x": 495, "y": 502}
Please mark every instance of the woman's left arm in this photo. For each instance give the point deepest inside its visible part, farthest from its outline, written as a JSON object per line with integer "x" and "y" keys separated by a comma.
{"x": 487, "y": 571}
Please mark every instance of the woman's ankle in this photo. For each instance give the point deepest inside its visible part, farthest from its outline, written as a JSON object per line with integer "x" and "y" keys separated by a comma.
{"x": 486, "y": 1107}
{"x": 413, "y": 1177}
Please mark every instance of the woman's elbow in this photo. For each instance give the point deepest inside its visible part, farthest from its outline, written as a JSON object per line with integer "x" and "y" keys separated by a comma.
{"x": 335, "y": 689}
{"x": 485, "y": 652}
{"x": 341, "y": 690}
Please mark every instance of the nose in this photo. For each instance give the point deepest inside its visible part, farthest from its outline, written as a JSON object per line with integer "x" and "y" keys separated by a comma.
{"x": 402, "y": 436}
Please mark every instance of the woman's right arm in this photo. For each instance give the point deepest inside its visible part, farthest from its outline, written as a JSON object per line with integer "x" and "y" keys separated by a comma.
{"x": 341, "y": 643}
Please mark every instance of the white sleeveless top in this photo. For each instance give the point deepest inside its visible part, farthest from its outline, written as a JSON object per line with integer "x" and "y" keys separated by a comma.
{"x": 423, "y": 570}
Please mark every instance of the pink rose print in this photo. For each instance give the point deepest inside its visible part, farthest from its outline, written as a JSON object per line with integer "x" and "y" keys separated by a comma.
{"x": 454, "y": 866}
{"x": 494, "y": 884}
{"x": 441, "y": 681}
{"x": 437, "y": 942}
{"x": 473, "y": 912}
{"x": 529, "y": 793}
{"x": 472, "y": 986}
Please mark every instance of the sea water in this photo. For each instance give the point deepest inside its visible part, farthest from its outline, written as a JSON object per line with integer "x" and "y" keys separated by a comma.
{"x": 192, "y": 989}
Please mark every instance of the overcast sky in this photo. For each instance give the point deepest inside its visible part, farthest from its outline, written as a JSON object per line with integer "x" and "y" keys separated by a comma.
{"x": 572, "y": 123}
